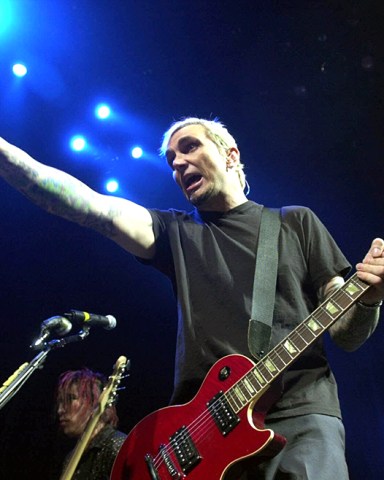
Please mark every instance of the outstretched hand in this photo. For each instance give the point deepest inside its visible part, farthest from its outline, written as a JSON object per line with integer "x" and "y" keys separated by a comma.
{"x": 371, "y": 271}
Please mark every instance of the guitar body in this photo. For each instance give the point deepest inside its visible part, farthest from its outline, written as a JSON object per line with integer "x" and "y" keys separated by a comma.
{"x": 210, "y": 437}
{"x": 148, "y": 453}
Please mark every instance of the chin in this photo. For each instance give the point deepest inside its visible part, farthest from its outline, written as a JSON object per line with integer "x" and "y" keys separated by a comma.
{"x": 197, "y": 201}
{"x": 70, "y": 433}
{"x": 201, "y": 198}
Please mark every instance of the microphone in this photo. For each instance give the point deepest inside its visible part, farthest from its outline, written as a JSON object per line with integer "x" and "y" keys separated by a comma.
{"x": 60, "y": 325}
{"x": 108, "y": 322}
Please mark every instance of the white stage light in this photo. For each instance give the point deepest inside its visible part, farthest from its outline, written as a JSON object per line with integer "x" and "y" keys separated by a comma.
{"x": 112, "y": 186}
{"x": 102, "y": 111}
{"x": 78, "y": 143}
{"x": 137, "y": 152}
{"x": 19, "y": 70}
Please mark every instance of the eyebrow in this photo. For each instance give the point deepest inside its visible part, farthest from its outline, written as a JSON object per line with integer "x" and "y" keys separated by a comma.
{"x": 182, "y": 141}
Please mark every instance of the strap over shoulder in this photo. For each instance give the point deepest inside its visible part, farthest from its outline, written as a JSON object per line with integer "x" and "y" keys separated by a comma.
{"x": 264, "y": 285}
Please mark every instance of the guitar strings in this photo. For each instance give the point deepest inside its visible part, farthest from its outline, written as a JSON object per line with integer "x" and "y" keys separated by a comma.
{"x": 204, "y": 422}
{"x": 201, "y": 425}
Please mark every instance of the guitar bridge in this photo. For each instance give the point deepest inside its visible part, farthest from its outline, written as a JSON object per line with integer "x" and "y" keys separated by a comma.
{"x": 222, "y": 413}
{"x": 185, "y": 450}
{"x": 168, "y": 462}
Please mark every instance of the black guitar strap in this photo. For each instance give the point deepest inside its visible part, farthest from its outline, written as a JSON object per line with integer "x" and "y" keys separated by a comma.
{"x": 264, "y": 285}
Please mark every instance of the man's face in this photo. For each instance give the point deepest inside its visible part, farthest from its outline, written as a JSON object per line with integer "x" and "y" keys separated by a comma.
{"x": 73, "y": 413}
{"x": 198, "y": 166}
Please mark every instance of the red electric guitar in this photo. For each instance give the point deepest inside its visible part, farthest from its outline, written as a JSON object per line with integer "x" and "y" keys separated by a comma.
{"x": 207, "y": 438}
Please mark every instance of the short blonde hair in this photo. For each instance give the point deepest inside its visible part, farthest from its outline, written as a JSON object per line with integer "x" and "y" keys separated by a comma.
{"x": 215, "y": 130}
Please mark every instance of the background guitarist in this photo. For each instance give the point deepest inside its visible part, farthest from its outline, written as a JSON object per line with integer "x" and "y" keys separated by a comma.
{"x": 209, "y": 255}
{"x": 77, "y": 397}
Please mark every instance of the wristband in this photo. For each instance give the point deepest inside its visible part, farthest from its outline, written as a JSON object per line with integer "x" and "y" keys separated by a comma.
{"x": 370, "y": 305}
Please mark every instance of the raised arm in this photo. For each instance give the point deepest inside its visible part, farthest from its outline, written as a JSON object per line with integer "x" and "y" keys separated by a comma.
{"x": 124, "y": 222}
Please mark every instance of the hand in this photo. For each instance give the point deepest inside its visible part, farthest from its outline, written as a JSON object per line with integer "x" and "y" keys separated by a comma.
{"x": 371, "y": 271}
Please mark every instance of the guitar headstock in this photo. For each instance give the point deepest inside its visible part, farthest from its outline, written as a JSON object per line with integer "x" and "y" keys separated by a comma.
{"x": 109, "y": 393}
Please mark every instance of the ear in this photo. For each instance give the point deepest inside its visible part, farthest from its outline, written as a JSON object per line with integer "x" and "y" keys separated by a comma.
{"x": 233, "y": 157}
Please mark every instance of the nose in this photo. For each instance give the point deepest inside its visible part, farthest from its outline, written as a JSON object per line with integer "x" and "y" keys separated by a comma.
{"x": 180, "y": 163}
{"x": 60, "y": 408}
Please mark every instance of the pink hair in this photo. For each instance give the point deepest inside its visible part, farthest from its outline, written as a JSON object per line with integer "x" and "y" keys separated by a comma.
{"x": 90, "y": 385}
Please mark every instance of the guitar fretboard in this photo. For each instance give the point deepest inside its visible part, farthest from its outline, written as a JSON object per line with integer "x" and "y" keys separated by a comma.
{"x": 257, "y": 380}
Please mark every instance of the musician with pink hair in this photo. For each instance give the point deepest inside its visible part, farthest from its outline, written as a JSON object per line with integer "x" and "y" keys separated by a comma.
{"x": 77, "y": 398}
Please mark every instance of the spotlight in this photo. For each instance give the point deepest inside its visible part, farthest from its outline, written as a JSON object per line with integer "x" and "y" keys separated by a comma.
{"x": 19, "y": 70}
{"x": 78, "y": 143}
{"x": 102, "y": 111}
{"x": 112, "y": 186}
{"x": 137, "y": 152}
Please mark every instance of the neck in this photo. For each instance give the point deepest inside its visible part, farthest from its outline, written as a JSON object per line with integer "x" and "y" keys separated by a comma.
{"x": 221, "y": 203}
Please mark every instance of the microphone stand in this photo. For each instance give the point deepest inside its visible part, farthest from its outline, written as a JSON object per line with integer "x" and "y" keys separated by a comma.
{"x": 13, "y": 384}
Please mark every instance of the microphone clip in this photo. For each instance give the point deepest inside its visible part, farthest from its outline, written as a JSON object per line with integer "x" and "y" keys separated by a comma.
{"x": 57, "y": 324}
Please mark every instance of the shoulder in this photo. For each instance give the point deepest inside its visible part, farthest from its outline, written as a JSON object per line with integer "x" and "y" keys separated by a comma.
{"x": 296, "y": 211}
{"x": 296, "y": 217}
{"x": 112, "y": 439}
{"x": 170, "y": 214}
{"x": 109, "y": 433}
{"x": 303, "y": 225}
{"x": 118, "y": 438}
{"x": 172, "y": 219}
{"x": 299, "y": 216}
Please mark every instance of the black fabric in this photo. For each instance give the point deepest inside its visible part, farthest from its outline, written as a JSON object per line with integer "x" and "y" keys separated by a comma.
{"x": 97, "y": 460}
{"x": 210, "y": 260}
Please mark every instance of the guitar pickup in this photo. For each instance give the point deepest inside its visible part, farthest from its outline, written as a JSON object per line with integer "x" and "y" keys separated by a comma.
{"x": 185, "y": 449}
{"x": 222, "y": 413}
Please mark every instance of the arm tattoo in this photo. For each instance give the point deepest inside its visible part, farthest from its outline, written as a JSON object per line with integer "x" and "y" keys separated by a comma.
{"x": 59, "y": 193}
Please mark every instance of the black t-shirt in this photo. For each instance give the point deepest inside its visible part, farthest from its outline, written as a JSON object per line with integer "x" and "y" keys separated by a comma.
{"x": 210, "y": 259}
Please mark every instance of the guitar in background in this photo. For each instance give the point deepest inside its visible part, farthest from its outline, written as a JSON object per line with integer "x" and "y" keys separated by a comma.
{"x": 106, "y": 399}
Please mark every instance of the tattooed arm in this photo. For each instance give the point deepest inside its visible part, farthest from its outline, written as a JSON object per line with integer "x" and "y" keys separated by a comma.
{"x": 126, "y": 223}
{"x": 360, "y": 321}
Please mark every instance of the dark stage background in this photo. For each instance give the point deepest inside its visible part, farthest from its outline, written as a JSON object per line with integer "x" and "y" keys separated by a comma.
{"x": 299, "y": 84}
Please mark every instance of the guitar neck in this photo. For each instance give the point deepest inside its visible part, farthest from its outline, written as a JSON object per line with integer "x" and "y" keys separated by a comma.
{"x": 81, "y": 445}
{"x": 106, "y": 398}
{"x": 256, "y": 382}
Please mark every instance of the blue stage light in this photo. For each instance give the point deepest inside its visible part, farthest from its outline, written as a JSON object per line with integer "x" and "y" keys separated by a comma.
{"x": 112, "y": 186}
{"x": 6, "y": 15}
{"x": 78, "y": 143}
{"x": 137, "y": 152}
{"x": 102, "y": 111}
{"x": 19, "y": 70}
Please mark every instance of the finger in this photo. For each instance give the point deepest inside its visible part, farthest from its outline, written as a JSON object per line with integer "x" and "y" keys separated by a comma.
{"x": 377, "y": 247}
{"x": 373, "y": 280}
{"x": 376, "y": 250}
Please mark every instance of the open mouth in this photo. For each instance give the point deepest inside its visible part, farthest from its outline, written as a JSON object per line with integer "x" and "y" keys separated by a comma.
{"x": 192, "y": 182}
